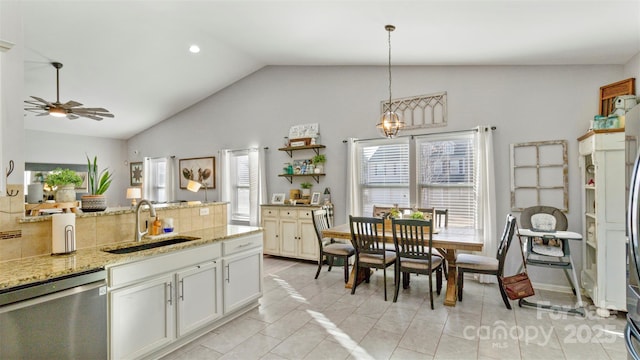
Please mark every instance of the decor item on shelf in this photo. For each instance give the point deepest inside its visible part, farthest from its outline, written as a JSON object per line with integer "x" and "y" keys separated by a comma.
{"x": 306, "y": 189}
{"x": 194, "y": 186}
{"x": 65, "y": 182}
{"x": 71, "y": 109}
{"x": 98, "y": 182}
{"x": 318, "y": 162}
{"x": 315, "y": 198}
{"x": 134, "y": 193}
{"x": 390, "y": 122}
{"x": 327, "y": 196}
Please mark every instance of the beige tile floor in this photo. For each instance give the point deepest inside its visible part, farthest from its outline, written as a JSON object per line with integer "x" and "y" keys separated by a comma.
{"x": 303, "y": 318}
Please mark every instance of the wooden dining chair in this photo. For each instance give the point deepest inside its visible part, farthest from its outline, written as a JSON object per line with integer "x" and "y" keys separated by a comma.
{"x": 367, "y": 236}
{"x": 470, "y": 263}
{"x": 327, "y": 247}
{"x": 414, "y": 247}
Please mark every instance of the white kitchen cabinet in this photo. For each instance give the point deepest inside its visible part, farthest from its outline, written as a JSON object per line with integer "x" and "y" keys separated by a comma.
{"x": 155, "y": 301}
{"x": 142, "y": 318}
{"x": 602, "y": 168}
{"x": 289, "y": 231}
{"x": 199, "y": 296}
{"x": 242, "y": 264}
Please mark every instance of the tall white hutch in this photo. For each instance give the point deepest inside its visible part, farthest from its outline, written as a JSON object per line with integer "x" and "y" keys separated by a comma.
{"x": 604, "y": 259}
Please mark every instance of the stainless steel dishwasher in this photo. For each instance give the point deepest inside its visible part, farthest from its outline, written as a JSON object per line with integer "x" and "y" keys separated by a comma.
{"x": 63, "y": 318}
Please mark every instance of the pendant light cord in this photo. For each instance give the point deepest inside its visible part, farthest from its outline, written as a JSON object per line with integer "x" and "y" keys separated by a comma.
{"x": 389, "y": 30}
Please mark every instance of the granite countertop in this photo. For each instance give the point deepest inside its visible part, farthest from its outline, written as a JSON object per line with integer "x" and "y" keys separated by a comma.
{"x": 41, "y": 268}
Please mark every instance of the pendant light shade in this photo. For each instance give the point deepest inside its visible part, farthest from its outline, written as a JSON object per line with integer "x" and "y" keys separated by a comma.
{"x": 390, "y": 122}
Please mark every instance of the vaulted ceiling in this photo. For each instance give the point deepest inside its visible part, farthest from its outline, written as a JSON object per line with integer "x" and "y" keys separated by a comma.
{"x": 132, "y": 57}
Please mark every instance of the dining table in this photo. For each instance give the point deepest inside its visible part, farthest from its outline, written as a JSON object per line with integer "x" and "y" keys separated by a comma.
{"x": 447, "y": 240}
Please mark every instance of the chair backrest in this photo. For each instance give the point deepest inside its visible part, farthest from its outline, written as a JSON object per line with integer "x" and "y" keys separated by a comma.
{"x": 413, "y": 238}
{"x": 320, "y": 223}
{"x": 367, "y": 234}
{"x": 505, "y": 241}
{"x": 441, "y": 217}
{"x": 543, "y": 218}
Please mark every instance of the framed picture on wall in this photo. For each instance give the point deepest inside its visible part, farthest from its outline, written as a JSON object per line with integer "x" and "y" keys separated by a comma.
{"x": 202, "y": 170}
{"x": 135, "y": 173}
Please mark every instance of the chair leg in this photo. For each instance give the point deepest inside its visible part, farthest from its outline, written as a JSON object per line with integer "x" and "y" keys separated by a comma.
{"x": 503, "y": 293}
{"x": 396, "y": 280}
{"x": 330, "y": 261}
{"x": 439, "y": 281}
{"x": 460, "y": 283}
{"x": 384, "y": 281}
{"x": 430, "y": 290}
{"x": 346, "y": 269}
{"x": 356, "y": 265}
{"x": 319, "y": 264}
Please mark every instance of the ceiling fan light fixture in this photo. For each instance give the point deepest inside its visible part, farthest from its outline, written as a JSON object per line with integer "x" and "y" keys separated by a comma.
{"x": 390, "y": 122}
{"x": 57, "y": 112}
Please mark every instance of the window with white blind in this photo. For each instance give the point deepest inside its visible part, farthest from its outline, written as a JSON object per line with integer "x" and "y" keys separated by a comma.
{"x": 430, "y": 171}
{"x": 446, "y": 176}
{"x": 384, "y": 173}
{"x": 240, "y": 186}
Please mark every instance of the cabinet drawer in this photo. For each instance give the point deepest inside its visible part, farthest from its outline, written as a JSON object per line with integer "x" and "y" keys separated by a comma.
{"x": 289, "y": 214}
{"x": 305, "y": 214}
{"x": 241, "y": 244}
{"x": 269, "y": 212}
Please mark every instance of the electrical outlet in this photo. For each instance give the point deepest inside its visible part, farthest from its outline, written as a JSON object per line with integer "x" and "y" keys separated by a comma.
{"x": 204, "y": 211}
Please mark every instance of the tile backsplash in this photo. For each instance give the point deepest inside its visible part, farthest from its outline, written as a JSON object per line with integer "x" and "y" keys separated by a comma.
{"x": 21, "y": 238}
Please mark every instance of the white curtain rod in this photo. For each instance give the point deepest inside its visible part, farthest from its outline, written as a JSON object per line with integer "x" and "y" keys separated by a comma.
{"x": 437, "y": 133}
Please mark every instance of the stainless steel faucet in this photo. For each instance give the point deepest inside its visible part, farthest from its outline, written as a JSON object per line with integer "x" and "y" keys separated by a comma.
{"x": 152, "y": 211}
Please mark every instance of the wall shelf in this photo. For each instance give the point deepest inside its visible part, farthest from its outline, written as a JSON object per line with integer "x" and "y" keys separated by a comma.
{"x": 290, "y": 177}
{"x": 290, "y": 149}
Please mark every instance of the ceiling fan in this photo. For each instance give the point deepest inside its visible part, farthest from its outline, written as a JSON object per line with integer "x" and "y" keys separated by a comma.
{"x": 70, "y": 109}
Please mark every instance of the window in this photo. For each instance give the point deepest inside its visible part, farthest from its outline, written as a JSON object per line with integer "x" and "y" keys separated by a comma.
{"x": 446, "y": 176}
{"x": 240, "y": 199}
{"x": 158, "y": 182}
{"x": 436, "y": 171}
{"x": 384, "y": 173}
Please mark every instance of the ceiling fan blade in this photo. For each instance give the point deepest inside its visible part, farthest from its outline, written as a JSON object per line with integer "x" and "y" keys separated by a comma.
{"x": 71, "y": 116}
{"x": 33, "y": 103}
{"x": 43, "y": 114}
{"x": 42, "y": 100}
{"x": 90, "y": 116}
{"x": 69, "y": 104}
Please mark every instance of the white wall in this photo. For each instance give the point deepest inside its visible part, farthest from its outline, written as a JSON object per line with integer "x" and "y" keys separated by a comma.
{"x": 45, "y": 147}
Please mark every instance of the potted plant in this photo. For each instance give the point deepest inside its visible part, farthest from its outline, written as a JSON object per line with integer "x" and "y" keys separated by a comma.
{"x": 98, "y": 183}
{"x": 306, "y": 188}
{"x": 318, "y": 163}
{"x": 64, "y": 181}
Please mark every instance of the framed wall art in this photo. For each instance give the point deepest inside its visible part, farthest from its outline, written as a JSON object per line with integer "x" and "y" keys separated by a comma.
{"x": 135, "y": 173}
{"x": 202, "y": 170}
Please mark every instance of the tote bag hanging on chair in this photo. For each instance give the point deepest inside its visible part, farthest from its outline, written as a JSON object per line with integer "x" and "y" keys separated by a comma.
{"x": 518, "y": 286}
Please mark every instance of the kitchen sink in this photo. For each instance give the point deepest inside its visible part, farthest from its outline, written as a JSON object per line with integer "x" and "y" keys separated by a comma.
{"x": 153, "y": 245}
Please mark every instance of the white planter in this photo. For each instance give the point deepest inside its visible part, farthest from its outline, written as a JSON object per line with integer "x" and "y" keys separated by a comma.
{"x": 66, "y": 193}
{"x": 306, "y": 192}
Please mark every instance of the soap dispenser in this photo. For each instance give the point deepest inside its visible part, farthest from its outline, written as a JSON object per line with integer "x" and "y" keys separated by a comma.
{"x": 156, "y": 227}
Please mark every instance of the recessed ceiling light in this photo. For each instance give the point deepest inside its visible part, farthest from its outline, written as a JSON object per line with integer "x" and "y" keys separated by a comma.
{"x": 194, "y": 49}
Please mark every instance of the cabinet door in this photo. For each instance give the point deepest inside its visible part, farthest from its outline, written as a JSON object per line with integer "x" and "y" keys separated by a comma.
{"x": 198, "y": 296}
{"x": 142, "y": 318}
{"x": 271, "y": 236}
{"x": 288, "y": 237}
{"x": 308, "y": 240}
{"x": 242, "y": 279}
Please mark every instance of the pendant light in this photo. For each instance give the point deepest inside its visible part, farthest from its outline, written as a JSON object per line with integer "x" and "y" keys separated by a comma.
{"x": 390, "y": 121}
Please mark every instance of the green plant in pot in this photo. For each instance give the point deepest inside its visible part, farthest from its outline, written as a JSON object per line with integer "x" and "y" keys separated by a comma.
{"x": 318, "y": 162}
{"x": 98, "y": 182}
{"x": 64, "y": 181}
{"x": 306, "y": 188}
